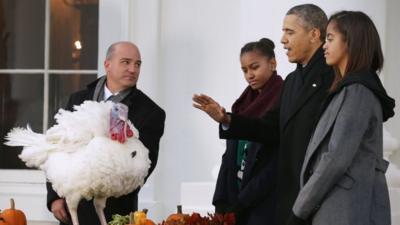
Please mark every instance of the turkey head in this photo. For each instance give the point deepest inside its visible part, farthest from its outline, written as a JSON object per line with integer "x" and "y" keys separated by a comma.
{"x": 119, "y": 128}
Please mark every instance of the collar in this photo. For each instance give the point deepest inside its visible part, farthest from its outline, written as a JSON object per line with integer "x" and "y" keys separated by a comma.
{"x": 108, "y": 93}
{"x": 304, "y": 69}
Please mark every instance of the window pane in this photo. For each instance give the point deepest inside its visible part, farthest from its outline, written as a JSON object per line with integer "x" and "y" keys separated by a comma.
{"x": 21, "y": 103}
{"x": 61, "y": 86}
{"x": 22, "y": 34}
{"x": 74, "y": 21}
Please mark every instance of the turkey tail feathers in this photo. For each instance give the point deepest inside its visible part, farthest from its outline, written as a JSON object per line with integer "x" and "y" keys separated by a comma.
{"x": 35, "y": 149}
{"x": 22, "y": 137}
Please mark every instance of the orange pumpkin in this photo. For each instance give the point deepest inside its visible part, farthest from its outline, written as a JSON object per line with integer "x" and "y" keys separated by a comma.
{"x": 149, "y": 222}
{"x": 12, "y": 216}
{"x": 178, "y": 216}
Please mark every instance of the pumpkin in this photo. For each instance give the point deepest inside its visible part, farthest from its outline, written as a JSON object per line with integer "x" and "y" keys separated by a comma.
{"x": 12, "y": 216}
{"x": 178, "y": 216}
{"x": 140, "y": 218}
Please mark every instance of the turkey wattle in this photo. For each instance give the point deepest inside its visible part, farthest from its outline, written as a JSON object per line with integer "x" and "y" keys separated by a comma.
{"x": 92, "y": 152}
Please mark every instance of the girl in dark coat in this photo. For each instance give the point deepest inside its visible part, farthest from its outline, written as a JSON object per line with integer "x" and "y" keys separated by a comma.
{"x": 246, "y": 180}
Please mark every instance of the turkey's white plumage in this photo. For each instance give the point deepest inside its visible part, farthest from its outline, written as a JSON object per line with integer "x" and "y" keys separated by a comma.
{"x": 79, "y": 158}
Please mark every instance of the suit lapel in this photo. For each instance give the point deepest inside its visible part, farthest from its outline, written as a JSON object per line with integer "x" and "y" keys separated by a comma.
{"x": 325, "y": 124}
{"x": 311, "y": 86}
{"x": 130, "y": 99}
{"x": 312, "y": 83}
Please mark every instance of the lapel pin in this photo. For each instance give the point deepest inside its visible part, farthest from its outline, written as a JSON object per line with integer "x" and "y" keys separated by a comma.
{"x": 314, "y": 85}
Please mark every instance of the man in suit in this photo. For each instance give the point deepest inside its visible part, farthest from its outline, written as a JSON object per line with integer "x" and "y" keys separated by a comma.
{"x": 293, "y": 122}
{"x": 122, "y": 66}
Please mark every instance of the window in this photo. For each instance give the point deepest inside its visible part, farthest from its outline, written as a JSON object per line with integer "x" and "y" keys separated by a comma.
{"x": 48, "y": 49}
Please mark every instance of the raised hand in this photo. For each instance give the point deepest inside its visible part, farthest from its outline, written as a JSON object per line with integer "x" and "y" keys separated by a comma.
{"x": 211, "y": 107}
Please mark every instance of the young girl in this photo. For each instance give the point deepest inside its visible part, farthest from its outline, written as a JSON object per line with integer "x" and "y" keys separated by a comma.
{"x": 343, "y": 174}
{"x": 246, "y": 180}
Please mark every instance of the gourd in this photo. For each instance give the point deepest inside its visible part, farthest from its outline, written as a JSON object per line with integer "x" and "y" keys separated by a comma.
{"x": 12, "y": 216}
{"x": 140, "y": 218}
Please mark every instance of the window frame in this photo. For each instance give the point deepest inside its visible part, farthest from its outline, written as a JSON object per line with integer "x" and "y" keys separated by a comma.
{"x": 28, "y": 186}
{"x": 27, "y": 176}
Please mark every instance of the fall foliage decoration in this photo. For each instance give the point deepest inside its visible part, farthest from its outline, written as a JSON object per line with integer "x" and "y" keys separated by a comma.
{"x": 178, "y": 218}
{"x": 196, "y": 219}
{"x": 211, "y": 219}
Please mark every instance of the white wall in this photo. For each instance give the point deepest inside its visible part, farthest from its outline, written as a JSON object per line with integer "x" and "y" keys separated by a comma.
{"x": 113, "y": 26}
{"x": 199, "y": 45}
{"x": 392, "y": 62}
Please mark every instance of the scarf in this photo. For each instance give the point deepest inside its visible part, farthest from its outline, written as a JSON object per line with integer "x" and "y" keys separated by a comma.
{"x": 99, "y": 92}
{"x": 371, "y": 81}
{"x": 253, "y": 103}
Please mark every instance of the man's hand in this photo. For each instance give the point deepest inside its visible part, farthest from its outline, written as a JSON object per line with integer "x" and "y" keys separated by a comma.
{"x": 58, "y": 208}
{"x": 212, "y": 108}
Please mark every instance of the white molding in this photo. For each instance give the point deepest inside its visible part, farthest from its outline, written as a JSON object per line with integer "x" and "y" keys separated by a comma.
{"x": 46, "y": 77}
{"x": 197, "y": 197}
{"x": 41, "y": 223}
{"x": 28, "y": 189}
{"x": 22, "y": 176}
{"x": 36, "y": 71}
{"x": 19, "y": 189}
{"x": 29, "y": 197}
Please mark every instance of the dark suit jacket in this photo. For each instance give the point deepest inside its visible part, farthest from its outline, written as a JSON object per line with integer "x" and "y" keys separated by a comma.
{"x": 291, "y": 125}
{"x": 254, "y": 202}
{"x": 149, "y": 119}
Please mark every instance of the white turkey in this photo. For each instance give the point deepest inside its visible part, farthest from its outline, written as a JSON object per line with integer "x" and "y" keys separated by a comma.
{"x": 92, "y": 152}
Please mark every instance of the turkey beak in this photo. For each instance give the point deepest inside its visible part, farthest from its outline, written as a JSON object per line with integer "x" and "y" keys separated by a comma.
{"x": 123, "y": 113}
{"x": 123, "y": 118}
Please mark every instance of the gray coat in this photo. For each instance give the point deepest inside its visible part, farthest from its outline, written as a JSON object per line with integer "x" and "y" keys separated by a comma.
{"x": 342, "y": 178}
